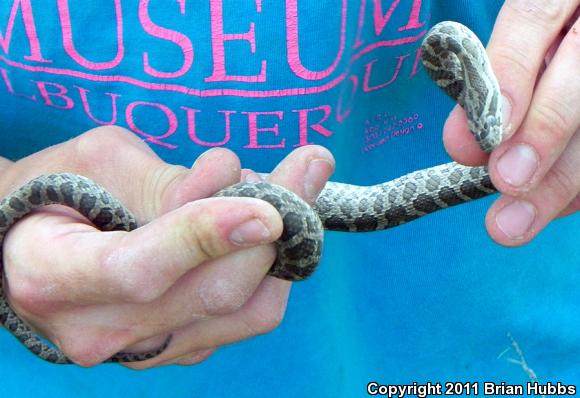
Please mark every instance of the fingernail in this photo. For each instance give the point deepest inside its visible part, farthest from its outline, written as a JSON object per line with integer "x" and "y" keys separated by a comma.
{"x": 518, "y": 165}
{"x": 506, "y": 114}
{"x": 315, "y": 178}
{"x": 515, "y": 219}
{"x": 250, "y": 232}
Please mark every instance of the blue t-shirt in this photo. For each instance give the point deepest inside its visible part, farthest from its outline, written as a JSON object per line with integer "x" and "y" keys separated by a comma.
{"x": 434, "y": 300}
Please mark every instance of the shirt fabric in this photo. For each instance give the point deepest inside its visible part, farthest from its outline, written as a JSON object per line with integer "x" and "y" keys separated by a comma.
{"x": 434, "y": 300}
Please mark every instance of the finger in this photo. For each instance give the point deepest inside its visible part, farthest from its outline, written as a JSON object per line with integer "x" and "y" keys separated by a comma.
{"x": 236, "y": 278}
{"x": 459, "y": 143}
{"x": 521, "y": 163}
{"x": 515, "y": 221}
{"x": 213, "y": 170}
{"x": 216, "y": 287}
{"x": 304, "y": 171}
{"x": 522, "y": 35}
{"x": 164, "y": 187}
{"x": 260, "y": 314}
{"x": 194, "y": 233}
{"x": 119, "y": 266}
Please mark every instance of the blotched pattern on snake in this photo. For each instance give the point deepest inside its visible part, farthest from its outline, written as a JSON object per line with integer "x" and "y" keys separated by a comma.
{"x": 455, "y": 60}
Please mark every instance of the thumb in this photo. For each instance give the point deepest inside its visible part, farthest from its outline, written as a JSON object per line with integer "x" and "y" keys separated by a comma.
{"x": 76, "y": 263}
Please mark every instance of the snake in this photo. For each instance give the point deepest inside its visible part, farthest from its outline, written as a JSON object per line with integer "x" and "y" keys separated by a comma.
{"x": 455, "y": 60}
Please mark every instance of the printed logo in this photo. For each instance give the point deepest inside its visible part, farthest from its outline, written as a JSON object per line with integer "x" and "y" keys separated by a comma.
{"x": 355, "y": 56}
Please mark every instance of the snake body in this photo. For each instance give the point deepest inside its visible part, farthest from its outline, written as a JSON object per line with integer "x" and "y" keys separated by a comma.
{"x": 455, "y": 60}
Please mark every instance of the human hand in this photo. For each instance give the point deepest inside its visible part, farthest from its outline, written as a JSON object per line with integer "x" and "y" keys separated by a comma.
{"x": 535, "y": 54}
{"x": 185, "y": 272}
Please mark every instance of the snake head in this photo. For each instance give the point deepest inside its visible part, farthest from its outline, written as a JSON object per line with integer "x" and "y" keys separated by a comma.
{"x": 457, "y": 62}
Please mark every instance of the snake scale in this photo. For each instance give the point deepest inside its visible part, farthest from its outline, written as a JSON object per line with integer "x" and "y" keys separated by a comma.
{"x": 453, "y": 57}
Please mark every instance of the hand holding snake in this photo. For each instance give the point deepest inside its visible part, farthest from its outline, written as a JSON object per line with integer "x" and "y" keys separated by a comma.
{"x": 395, "y": 203}
{"x": 535, "y": 52}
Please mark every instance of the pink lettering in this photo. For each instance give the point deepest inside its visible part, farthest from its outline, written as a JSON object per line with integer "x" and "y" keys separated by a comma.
{"x": 192, "y": 131}
{"x": 381, "y": 19}
{"x": 182, "y": 89}
{"x": 61, "y": 91}
{"x": 318, "y": 127}
{"x": 368, "y": 71}
{"x": 83, "y": 93}
{"x": 166, "y": 34}
{"x": 181, "y": 6}
{"x": 218, "y": 38}
{"x": 29, "y": 27}
{"x": 413, "y": 22}
{"x": 254, "y": 130}
{"x": 293, "y": 47}
{"x": 155, "y": 139}
{"x": 69, "y": 46}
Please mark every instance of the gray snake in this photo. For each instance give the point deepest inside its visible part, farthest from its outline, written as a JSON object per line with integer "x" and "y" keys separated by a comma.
{"x": 453, "y": 57}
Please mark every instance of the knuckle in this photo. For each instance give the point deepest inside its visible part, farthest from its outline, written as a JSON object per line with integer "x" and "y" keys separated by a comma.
{"x": 100, "y": 143}
{"x": 563, "y": 185}
{"x": 199, "y": 240}
{"x": 540, "y": 12}
{"x": 102, "y": 137}
{"x": 198, "y": 245}
{"x": 551, "y": 121}
{"x": 28, "y": 296}
{"x": 510, "y": 58}
{"x": 85, "y": 351}
{"x": 83, "y": 358}
{"x": 165, "y": 186}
